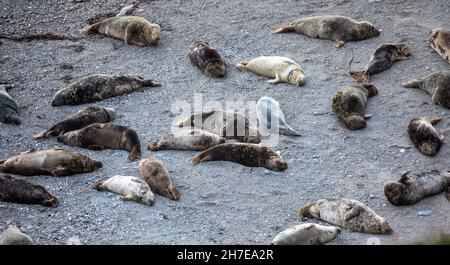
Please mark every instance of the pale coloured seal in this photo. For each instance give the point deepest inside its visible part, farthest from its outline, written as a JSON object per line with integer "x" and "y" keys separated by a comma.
{"x": 306, "y": 234}
{"x": 436, "y": 84}
{"x": 229, "y": 124}
{"x": 267, "y": 109}
{"x": 8, "y": 107}
{"x": 440, "y": 42}
{"x": 412, "y": 188}
{"x": 20, "y": 191}
{"x": 281, "y": 69}
{"x": 157, "y": 177}
{"x": 337, "y": 28}
{"x": 424, "y": 136}
{"x": 13, "y": 236}
{"x": 132, "y": 29}
{"x": 55, "y": 161}
{"x": 100, "y": 136}
{"x": 349, "y": 104}
{"x": 250, "y": 155}
{"x": 196, "y": 140}
{"x": 381, "y": 59}
{"x": 84, "y": 117}
{"x": 130, "y": 188}
{"x": 208, "y": 59}
{"x": 98, "y": 87}
{"x": 347, "y": 213}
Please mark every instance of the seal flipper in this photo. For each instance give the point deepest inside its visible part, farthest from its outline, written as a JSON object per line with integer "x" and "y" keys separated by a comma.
{"x": 288, "y": 131}
{"x": 412, "y": 83}
{"x": 150, "y": 83}
{"x": 97, "y": 185}
{"x": 242, "y": 64}
{"x": 339, "y": 43}
{"x": 283, "y": 28}
{"x": 155, "y": 146}
{"x": 355, "y": 210}
{"x": 359, "y": 76}
{"x": 276, "y": 80}
{"x": 433, "y": 120}
{"x": 304, "y": 211}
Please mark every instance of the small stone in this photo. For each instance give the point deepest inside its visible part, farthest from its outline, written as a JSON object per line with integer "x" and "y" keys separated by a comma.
{"x": 424, "y": 213}
{"x": 402, "y": 150}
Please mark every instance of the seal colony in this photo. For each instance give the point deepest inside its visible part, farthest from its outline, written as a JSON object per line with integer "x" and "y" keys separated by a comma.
{"x": 89, "y": 127}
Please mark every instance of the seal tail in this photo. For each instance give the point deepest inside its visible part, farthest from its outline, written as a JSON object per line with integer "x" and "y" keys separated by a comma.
{"x": 97, "y": 185}
{"x": 90, "y": 29}
{"x": 242, "y": 64}
{"x": 198, "y": 158}
{"x": 412, "y": 84}
{"x": 359, "y": 76}
{"x": 283, "y": 28}
{"x": 287, "y": 130}
{"x": 149, "y": 82}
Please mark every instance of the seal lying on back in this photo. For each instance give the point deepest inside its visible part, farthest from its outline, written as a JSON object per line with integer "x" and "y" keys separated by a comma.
{"x": 437, "y": 85}
{"x": 99, "y": 87}
{"x": 131, "y": 188}
{"x": 337, "y": 28}
{"x": 56, "y": 162}
{"x": 228, "y": 124}
{"x": 157, "y": 177}
{"x": 412, "y": 188}
{"x": 350, "y": 103}
{"x": 84, "y": 117}
{"x": 8, "y": 107}
{"x": 424, "y": 136}
{"x": 132, "y": 29}
{"x": 307, "y": 234}
{"x": 250, "y": 155}
{"x": 21, "y": 191}
{"x": 196, "y": 140}
{"x": 100, "y": 136}
{"x": 13, "y": 236}
{"x": 440, "y": 42}
{"x": 282, "y": 69}
{"x": 382, "y": 58}
{"x": 267, "y": 109}
{"x": 347, "y": 213}
{"x": 208, "y": 59}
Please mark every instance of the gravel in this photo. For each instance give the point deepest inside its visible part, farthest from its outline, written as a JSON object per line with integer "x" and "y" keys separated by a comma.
{"x": 223, "y": 202}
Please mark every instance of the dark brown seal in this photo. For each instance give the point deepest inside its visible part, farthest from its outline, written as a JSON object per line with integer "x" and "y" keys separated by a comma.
{"x": 382, "y": 58}
{"x": 56, "y": 162}
{"x": 133, "y": 29}
{"x": 8, "y": 107}
{"x": 412, "y": 188}
{"x": 337, "y": 28}
{"x": 98, "y": 87}
{"x": 440, "y": 42}
{"x": 20, "y": 191}
{"x": 208, "y": 59}
{"x": 424, "y": 136}
{"x": 100, "y": 136}
{"x": 84, "y": 117}
{"x": 350, "y": 103}
{"x": 250, "y": 155}
{"x": 157, "y": 177}
{"x": 436, "y": 84}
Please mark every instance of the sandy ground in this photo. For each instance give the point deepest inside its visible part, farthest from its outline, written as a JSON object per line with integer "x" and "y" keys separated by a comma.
{"x": 223, "y": 202}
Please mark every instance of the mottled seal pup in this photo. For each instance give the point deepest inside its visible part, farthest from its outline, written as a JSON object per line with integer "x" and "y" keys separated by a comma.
{"x": 281, "y": 69}
{"x": 100, "y": 136}
{"x": 267, "y": 109}
{"x": 412, "y": 188}
{"x": 349, "y": 104}
{"x": 440, "y": 42}
{"x": 21, "y": 191}
{"x": 13, "y": 236}
{"x": 157, "y": 177}
{"x": 382, "y": 58}
{"x": 84, "y": 117}
{"x": 98, "y": 87}
{"x": 424, "y": 136}
{"x": 55, "y": 162}
{"x": 307, "y": 234}
{"x": 250, "y": 155}
{"x": 347, "y": 213}
{"x": 436, "y": 84}
{"x": 208, "y": 59}
{"x": 229, "y": 124}
{"x": 337, "y": 28}
{"x": 8, "y": 107}
{"x": 132, "y": 29}
{"x": 130, "y": 188}
{"x": 196, "y": 140}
